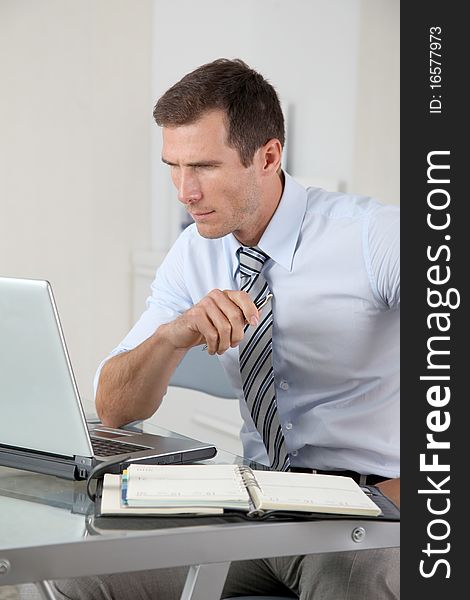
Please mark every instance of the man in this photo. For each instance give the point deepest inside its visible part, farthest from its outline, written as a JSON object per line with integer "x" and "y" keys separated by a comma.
{"x": 316, "y": 369}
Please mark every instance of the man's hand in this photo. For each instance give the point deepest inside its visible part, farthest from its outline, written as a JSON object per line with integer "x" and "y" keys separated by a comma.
{"x": 217, "y": 320}
{"x": 391, "y": 489}
{"x": 132, "y": 384}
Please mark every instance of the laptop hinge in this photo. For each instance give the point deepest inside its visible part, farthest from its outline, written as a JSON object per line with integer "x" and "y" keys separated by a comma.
{"x": 83, "y": 466}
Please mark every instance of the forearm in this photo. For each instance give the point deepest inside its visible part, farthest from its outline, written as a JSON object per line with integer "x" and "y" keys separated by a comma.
{"x": 132, "y": 384}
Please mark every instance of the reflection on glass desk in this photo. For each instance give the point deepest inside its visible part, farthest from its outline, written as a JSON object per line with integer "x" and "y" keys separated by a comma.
{"x": 32, "y": 504}
{"x": 48, "y": 531}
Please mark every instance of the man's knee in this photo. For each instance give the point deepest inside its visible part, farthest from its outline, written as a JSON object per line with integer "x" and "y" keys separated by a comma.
{"x": 378, "y": 571}
{"x": 89, "y": 588}
{"x": 157, "y": 584}
{"x": 361, "y": 575}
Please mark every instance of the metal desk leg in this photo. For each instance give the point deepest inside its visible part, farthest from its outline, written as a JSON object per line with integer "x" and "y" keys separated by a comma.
{"x": 205, "y": 582}
{"x": 46, "y": 591}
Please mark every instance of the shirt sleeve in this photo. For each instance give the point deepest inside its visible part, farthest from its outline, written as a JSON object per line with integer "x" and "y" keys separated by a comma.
{"x": 169, "y": 298}
{"x": 382, "y": 250}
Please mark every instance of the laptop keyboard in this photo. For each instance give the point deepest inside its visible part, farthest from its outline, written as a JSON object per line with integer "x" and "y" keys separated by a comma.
{"x": 103, "y": 447}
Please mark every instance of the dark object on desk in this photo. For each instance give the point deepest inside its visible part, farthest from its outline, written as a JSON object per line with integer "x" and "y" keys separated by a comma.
{"x": 98, "y": 521}
{"x": 43, "y": 426}
{"x": 181, "y": 491}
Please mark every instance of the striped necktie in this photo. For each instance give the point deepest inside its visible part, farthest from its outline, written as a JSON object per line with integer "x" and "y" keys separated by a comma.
{"x": 256, "y": 365}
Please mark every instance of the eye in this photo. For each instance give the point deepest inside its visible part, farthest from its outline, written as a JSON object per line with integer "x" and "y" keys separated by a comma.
{"x": 205, "y": 167}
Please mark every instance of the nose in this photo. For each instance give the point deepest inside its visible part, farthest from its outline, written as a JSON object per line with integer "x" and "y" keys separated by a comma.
{"x": 188, "y": 186}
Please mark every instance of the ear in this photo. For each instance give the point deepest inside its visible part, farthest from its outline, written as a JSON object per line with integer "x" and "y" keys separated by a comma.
{"x": 270, "y": 156}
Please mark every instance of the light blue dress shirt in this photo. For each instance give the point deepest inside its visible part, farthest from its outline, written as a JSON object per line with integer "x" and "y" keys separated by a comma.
{"x": 334, "y": 274}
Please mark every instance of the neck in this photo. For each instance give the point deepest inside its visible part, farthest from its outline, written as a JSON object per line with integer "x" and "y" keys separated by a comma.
{"x": 270, "y": 201}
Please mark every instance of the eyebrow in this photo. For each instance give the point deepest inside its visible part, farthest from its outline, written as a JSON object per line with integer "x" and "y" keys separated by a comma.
{"x": 200, "y": 163}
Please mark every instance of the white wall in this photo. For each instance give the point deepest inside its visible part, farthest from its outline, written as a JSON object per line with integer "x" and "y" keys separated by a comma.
{"x": 376, "y": 164}
{"x": 75, "y": 117}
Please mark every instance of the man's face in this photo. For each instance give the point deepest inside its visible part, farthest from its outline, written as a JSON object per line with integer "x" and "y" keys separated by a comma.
{"x": 220, "y": 193}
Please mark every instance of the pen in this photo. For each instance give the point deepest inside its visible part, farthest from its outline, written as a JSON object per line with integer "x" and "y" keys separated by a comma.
{"x": 265, "y": 300}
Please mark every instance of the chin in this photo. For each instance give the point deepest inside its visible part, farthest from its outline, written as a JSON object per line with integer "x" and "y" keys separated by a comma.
{"x": 211, "y": 233}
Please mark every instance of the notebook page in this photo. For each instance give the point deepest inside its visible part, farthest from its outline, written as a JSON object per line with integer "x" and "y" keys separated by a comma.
{"x": 111, "y": 503}
{"x": 312, "y": 493}
{"x": 186, "y": 485}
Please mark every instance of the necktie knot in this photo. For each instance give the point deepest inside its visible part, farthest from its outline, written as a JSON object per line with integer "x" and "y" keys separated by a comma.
{"x": 251, "y": 260}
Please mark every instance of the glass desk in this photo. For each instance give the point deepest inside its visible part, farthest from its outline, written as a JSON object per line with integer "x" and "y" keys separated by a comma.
{"x": 48, "y": 531}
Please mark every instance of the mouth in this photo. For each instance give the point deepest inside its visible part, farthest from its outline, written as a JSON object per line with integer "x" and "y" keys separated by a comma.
{"x": 201, "y": 216}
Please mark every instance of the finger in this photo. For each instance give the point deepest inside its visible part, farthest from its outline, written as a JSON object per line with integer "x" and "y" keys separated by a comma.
{"x": 237, "y": 319}
{"x": 227, "y": 319}
{"x": 200, "y": 322}
{"x": 245, "y": 304}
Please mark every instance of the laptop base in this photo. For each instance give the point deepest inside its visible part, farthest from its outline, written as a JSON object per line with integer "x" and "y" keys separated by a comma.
{"x": 48, "y": 465}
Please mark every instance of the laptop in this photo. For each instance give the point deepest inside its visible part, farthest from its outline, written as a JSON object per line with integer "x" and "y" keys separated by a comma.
{"x": 42, "y": 421}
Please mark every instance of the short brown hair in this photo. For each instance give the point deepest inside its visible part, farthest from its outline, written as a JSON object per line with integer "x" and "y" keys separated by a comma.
{"x": 250, "y": 102}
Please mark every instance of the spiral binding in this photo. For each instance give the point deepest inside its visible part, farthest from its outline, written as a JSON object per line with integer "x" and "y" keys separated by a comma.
{"x": 249, "y": 480}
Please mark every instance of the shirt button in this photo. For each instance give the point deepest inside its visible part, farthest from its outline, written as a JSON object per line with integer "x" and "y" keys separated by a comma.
{"x": 284, "y": 385}
{"x": 295, "y": 452}
{"x": 289, "y": 425}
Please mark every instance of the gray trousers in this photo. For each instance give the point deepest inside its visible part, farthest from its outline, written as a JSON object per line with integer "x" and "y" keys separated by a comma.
{"x": 359, "y": 575}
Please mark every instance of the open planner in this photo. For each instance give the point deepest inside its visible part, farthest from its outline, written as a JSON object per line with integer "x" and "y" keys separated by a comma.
{"x": 215, "y": 489}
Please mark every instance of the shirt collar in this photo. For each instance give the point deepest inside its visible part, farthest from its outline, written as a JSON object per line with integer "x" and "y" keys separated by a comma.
{"x": 279, "y": 240}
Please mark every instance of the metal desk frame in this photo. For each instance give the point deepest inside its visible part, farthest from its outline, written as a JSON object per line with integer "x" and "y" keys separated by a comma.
{"x": 209, "y": 549}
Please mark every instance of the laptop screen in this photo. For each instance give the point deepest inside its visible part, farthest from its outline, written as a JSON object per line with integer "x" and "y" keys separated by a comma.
{"x": 40, "y": 405}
